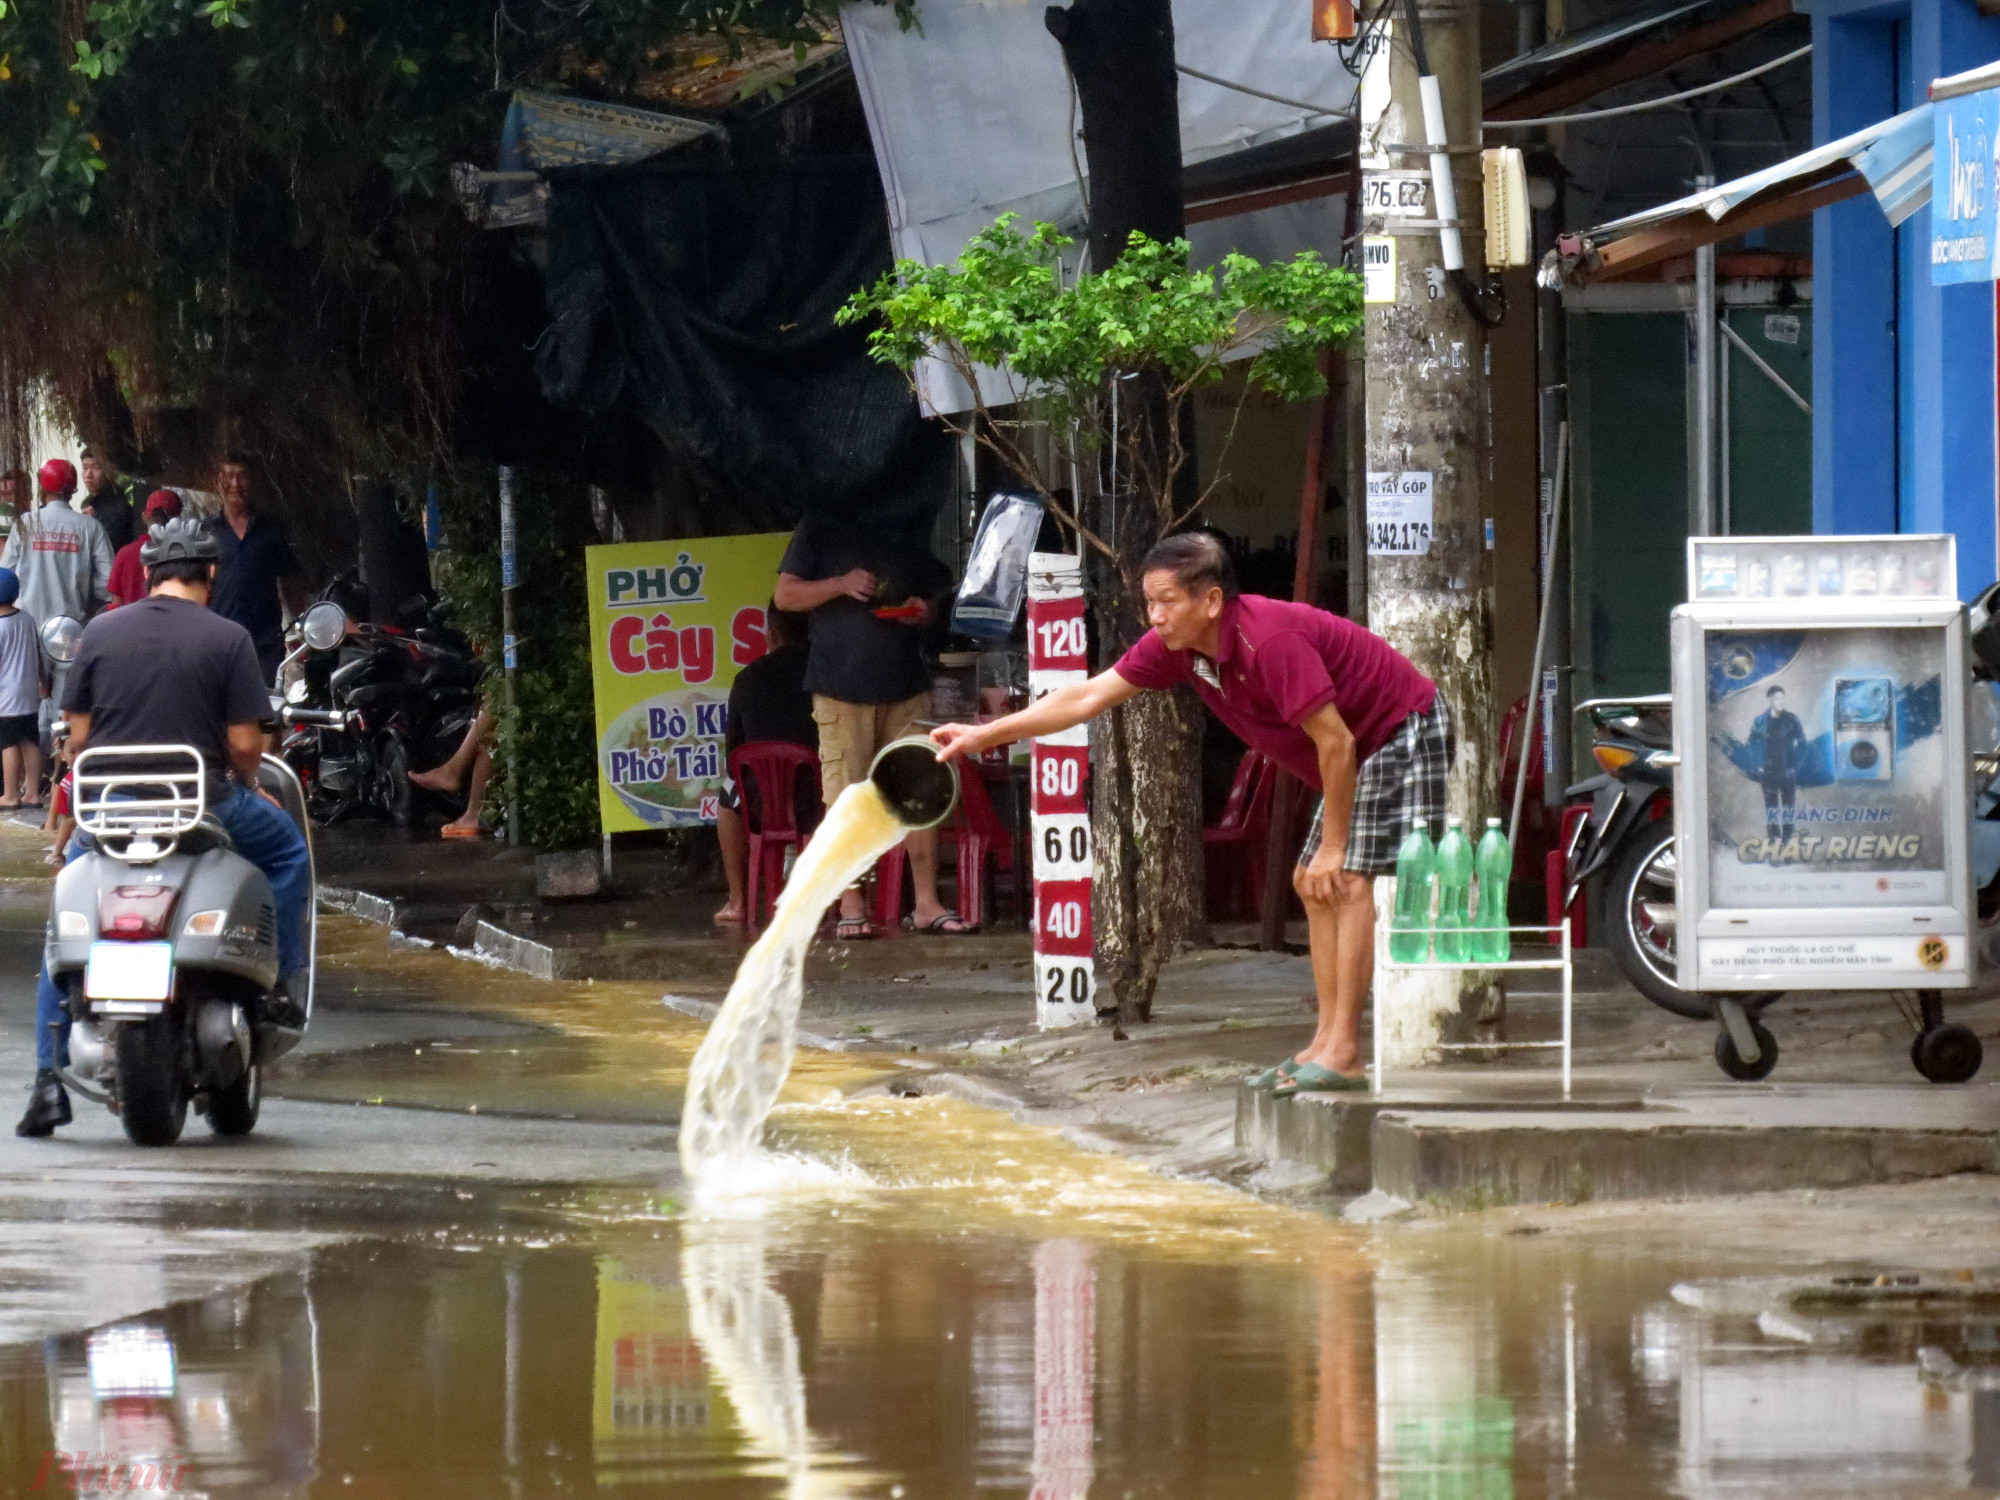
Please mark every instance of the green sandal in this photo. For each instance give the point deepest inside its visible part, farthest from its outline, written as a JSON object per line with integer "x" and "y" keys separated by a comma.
{"x": 1311, "y": 1078}
{"x": 1270, "y": 1078}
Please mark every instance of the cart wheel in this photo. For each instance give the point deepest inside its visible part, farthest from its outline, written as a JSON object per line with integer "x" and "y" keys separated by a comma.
{"x": 1731, "y": 1061}
{"x": 1947, "y": 1054}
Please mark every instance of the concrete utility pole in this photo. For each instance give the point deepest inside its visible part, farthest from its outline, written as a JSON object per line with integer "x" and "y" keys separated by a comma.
{"x": 1428, "y": 591}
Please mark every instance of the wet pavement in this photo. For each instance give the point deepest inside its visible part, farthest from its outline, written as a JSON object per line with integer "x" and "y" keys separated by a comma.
{"x": 455, "y": 1260}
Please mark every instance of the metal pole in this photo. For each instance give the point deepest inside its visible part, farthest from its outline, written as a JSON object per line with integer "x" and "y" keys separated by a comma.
{"x": 1701, "y": 499}
{"x": 1526, "y": 733}
{"x": 509, "y": 652}
{"x": 1725, "y": 521}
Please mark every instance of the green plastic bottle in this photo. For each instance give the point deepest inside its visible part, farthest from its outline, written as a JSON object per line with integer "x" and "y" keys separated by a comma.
{"x": 1491, "y": 942}
{"x": 1410, "y": 924}
{"x": 1454, "y": 883}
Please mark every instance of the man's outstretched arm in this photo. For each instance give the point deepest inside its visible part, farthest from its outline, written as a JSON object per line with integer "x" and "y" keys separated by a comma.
{"x": 1063, "y": 709}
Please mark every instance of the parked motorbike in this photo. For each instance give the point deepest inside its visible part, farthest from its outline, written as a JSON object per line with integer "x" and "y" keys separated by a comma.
{"x": 165, "y": 943}
{"x": 365, "y": 704}
{"x": 1628, "y": 838}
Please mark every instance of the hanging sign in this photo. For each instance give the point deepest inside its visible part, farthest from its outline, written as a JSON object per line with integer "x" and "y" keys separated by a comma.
{"x": 1964, "y": 240}
{"x": 671, "y": 624}
{"x": 1378, "y": 268}
{"x": 1059, "y": 804}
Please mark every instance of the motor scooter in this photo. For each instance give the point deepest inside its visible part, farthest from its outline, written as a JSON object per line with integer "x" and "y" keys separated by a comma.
{"x": 164, "y": 941}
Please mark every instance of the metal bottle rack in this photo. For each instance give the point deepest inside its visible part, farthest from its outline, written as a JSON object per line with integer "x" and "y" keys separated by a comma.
{"x": 1562, "y": 961}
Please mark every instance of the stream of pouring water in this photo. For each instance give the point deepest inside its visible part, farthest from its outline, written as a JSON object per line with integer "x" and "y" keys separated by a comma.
{"x": 747, "y": 1053}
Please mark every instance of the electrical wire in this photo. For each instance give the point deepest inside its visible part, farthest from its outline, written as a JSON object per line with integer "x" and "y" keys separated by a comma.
{"x": 1244, "y": 88}
{"x": 1662, "y": 103}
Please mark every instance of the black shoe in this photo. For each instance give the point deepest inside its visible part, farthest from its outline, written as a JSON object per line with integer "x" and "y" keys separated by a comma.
{"x": 280, "y": 1009}
{"x": 48, "y": 1107}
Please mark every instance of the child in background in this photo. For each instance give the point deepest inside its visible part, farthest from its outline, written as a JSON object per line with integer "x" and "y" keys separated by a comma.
{"x": 62, "y": 819}
{"x": 20, "y": 699}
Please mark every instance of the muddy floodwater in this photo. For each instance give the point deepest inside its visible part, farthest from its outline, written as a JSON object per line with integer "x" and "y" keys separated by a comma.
{"x": 935, "y": 1302}
{"x": 909, "y": 1342}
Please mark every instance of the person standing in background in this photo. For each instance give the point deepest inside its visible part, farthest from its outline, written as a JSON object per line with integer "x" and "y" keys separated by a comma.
{"x": 15, "y": 496}
{"x": 105, "y": 500}
{"x": 257, "y": 580}
{"x": 768, "y": 701}
{"x": 62, "y": 558}
{"x": 20, "y": 699}
{"x": 869, "y": 597}
{"x": 128, "y": 573}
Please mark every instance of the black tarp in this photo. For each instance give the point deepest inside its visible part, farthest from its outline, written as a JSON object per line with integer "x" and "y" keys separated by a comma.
{"x": 700, "y": 301}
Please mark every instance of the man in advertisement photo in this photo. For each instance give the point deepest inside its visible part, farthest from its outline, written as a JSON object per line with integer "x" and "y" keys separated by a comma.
{"x": 1780, "y": 741}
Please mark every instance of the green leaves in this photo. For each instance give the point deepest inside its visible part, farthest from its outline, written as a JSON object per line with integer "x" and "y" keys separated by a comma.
{"x": 1006, "y": 303}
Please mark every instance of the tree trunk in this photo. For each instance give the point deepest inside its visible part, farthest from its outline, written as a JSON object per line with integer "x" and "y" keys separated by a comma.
{"x": 1146, "y": 800}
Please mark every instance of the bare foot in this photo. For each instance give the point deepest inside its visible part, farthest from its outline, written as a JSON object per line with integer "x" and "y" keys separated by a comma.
{"x": 438, "y": 779}
{"x": 730, "y": 916}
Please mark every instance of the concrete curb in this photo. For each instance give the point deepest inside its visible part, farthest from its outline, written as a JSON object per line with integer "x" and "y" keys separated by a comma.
{"x": 1470, "y": 1155}
{"x": 1335, "y": 1133}
{"x": 366, "y": 905}
{"x": 1483, "y": 1161}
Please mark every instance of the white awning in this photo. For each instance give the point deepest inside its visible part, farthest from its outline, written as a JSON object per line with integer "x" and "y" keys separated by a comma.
{"x": 971, "y": 112}
{"x": 1971, "y": 81}
{"x": 1893, "y": 156}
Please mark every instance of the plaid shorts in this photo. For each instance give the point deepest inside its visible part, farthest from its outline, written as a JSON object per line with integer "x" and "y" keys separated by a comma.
{"x": 1400, "y": 785}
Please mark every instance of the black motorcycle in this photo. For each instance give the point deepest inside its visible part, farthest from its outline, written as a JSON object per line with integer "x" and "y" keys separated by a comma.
{"x": 364, "y": 705}
{"x": 1628, "y": 838}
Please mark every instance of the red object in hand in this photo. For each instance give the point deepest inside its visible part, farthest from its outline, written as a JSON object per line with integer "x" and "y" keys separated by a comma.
{"x": 913, "y": 610}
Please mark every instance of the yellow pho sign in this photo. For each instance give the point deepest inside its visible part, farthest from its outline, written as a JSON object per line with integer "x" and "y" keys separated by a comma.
{"x": 671, "y": 624}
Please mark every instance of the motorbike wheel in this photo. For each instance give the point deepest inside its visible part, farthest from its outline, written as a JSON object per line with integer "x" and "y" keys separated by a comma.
{"x": 152, "y": 1083}
{"x": 392, "y": 773}
{"x": 1643, "y": 876}
{"x": 233, "y": 1110}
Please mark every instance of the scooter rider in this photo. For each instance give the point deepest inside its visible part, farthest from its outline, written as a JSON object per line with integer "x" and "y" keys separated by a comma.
{"x": 165, "y": 671}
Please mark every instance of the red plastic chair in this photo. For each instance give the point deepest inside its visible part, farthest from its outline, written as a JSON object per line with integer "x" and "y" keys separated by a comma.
{"x": 768, "y": 774}
{"x": 1233, "y": 845}
{"x": 979, "y": 836}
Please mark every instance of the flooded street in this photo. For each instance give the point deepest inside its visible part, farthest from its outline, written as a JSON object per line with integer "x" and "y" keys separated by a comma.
{"x": 457, "y": 1259}
{"x": 904, "y": 1342}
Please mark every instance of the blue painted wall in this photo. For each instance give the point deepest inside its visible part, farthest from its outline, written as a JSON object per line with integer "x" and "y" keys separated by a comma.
{"x": 1903, "y": 371}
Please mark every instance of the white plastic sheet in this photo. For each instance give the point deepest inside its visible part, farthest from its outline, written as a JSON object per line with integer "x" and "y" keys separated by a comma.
{"x": 971, "y": 114}
{"x": 971, "y": 118}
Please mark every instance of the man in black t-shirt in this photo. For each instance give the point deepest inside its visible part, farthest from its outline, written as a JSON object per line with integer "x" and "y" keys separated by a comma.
{"x": 256, "y": 574}
{"x": 166, "y": 671}
{"x": 869, "y": 597}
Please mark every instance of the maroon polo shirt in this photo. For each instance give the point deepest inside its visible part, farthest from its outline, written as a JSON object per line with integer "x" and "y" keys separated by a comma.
{"x": 1278, "y": 663}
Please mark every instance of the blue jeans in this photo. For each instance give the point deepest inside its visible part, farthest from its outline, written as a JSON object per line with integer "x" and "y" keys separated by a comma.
{"x": 270, "y": 841}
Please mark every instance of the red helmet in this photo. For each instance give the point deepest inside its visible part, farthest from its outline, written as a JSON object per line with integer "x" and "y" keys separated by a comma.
{"x": 58, "y": 477}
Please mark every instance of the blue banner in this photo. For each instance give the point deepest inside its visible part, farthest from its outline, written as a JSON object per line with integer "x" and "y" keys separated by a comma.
{"x": 1964, "y": 230}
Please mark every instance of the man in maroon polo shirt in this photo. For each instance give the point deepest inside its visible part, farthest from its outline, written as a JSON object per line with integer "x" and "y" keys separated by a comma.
{"x": 1333, "y": 704}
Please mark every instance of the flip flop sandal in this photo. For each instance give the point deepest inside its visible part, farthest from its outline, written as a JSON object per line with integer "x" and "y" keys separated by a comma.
{"x": 1311, "y": 1078}
{"x": 1271, "y": 1077}
{"x": 936, "y": 926}
{"x": 449, "y": 832}
{"x": 852, "y": 930}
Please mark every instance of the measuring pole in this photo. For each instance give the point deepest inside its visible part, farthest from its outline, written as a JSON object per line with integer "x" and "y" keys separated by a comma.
{"x": 1059, "y": 782}
{"x": 508, "y": 661}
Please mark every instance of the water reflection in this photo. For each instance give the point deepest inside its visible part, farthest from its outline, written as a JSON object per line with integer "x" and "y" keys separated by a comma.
{"x": 821, "y": 1351}
{"x": 220, "y": 1396}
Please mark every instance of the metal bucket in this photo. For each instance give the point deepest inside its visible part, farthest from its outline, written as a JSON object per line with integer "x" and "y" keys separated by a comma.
{"x": 921, "y": 790}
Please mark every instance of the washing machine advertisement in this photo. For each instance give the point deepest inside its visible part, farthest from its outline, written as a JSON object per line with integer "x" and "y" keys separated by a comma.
{"x": 1827, "y": 776}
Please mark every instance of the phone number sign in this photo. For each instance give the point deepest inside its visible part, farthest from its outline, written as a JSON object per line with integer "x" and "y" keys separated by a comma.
{"x": 1399, "y": 514}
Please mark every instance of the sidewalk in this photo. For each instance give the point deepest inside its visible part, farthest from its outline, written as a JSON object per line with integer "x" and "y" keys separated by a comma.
{"x": 1652, "y": 1116}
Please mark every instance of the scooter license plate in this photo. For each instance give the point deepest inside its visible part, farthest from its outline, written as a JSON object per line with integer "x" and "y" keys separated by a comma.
{"x": 129, "y": 971}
